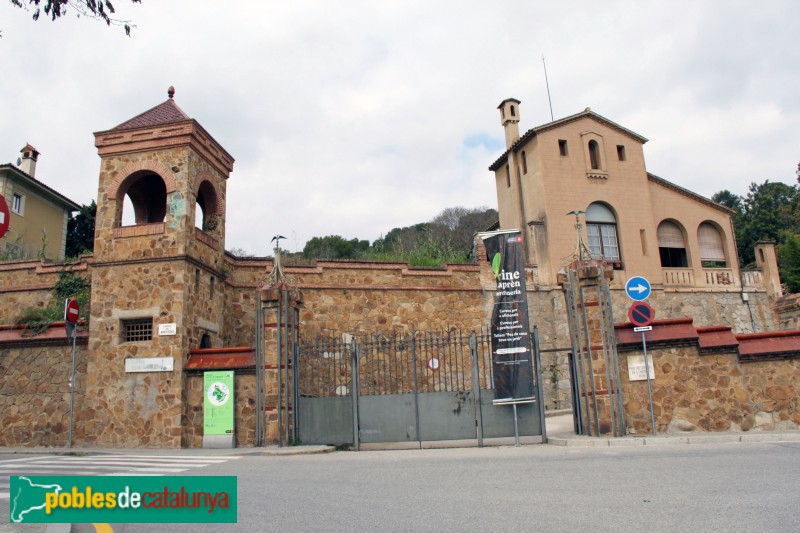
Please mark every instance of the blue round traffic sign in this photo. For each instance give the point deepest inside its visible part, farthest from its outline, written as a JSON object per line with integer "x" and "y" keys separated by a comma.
{"x": 637, "y": 288}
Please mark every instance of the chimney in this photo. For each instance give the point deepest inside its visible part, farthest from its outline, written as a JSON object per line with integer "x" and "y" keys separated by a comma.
{"x": 509, "y": 118}
{"x": 27, "y": 162}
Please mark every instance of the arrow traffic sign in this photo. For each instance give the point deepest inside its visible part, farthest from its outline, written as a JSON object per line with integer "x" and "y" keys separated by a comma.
{"x": 637, "y": 288}
{"x": 641, "y": 314}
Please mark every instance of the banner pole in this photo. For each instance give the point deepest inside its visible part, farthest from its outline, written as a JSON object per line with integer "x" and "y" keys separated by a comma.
{"x": 516, "y": 426}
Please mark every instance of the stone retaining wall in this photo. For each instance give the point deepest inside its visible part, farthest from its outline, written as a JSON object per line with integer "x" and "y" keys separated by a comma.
{"x": 35, "y": 393}
{"x": 693, "y": 391}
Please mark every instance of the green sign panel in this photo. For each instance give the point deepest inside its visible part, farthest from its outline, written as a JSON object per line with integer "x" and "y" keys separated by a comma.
{"x": 122, "y": 499}
{"x": 218, "y": 403}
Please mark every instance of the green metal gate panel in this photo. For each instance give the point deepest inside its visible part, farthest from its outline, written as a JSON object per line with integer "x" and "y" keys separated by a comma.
{"x": 387, "y": 418}
{"x": 447, "y": 416}
{"x": 420, "y": 387}
{"x": 326, "y": 420}
{"x": 498, "y": 420}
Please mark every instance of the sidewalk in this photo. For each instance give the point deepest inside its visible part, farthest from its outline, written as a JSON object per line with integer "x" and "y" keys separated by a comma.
{"x": 560, "y": 432}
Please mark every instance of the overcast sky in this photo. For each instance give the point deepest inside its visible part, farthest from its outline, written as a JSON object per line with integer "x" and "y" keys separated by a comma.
{"x": 352, "y": 118}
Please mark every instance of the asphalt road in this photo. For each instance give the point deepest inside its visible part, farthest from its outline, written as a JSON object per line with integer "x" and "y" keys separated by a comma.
{"x": 726, "y": 487}
{"x": 715, "y": 487}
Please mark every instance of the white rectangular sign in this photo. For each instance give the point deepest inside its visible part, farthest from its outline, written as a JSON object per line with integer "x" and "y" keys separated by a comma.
{"x": 167, "y": 329}
{"x": 636, "y": 368}
{"x": 643, "y": 328}
{"x": 149, "y": 364}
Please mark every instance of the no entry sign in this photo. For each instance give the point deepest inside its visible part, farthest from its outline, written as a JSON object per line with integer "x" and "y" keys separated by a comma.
{"x": 641, "y": 314}
{"x": 72, "y": 311}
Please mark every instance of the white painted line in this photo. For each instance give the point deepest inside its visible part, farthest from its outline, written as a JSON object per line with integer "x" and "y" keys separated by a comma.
{"x": 130, "y": 474}
{"x": 22, "y": 460}
{"x": 176, "y": 457}
{"x": 132, "y": 464}
{"x": 134, "y": 461}
{"x": 13, "y": 469}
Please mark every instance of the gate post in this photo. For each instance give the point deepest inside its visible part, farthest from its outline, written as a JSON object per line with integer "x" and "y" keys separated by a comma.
{"x": 355, "y": 391}
{"x": 476, "y": 386}
{"x": 537, "y": 366}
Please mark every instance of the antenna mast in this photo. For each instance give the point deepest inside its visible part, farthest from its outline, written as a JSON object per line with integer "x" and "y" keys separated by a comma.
{"x": 548, "y": 89}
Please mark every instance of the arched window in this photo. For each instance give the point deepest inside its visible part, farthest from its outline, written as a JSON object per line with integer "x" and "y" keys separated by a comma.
{"x": 524, "y": 163}
{"x": 671, "y": 245}
{"x": 141, "y": 199}
{"x": 205, "y": 215}
{"x": 594, "y": 154}
{"x": 601, "y": 229}
{"x": 712, "y": 253}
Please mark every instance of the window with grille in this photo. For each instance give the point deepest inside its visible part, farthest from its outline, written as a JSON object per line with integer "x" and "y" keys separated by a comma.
{"x": 137, "y": 329}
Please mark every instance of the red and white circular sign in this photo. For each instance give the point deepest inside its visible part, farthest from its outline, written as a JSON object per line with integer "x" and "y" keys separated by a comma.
{"x": 73, "y": 311}
{"x": 433, "y": 363}
{"x": 5, "y": 217}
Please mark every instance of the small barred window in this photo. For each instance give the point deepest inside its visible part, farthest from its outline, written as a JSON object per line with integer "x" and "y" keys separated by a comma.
{"x": 137, "y": 329}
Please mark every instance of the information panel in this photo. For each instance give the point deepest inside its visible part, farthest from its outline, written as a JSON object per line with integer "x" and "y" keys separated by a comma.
{"x": 218, "y": 403}
{"x": 512, "y": 363}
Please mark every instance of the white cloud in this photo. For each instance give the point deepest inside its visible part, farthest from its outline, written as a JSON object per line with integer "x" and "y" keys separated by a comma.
{"x": 352, "y": 118}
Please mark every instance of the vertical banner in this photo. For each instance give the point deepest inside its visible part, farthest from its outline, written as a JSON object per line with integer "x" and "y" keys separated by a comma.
{"x": 218, "y": 403}
{"x": 512, "y": 363}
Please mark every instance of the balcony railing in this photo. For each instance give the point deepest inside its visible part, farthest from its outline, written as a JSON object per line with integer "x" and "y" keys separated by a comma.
{"x": 752, "y": 279}
{"x": 719, "y": 277}
{"x": 139, "y": 230}
{"x": 206, "y": 239}
{"x": 678, "y": 277}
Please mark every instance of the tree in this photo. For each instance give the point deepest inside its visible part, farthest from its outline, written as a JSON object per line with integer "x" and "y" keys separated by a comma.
{"x": 769, "y": 212}
{"x": 789, "y": 259}
{"x": 80, "y": 231}
{"x": 96, "y": 9}
{"x": 335, "y": 247}
{"x": 729, "y": 200}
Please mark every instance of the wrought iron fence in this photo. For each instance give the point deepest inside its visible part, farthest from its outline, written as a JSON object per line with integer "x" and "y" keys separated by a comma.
{"x": 393, "y": 364}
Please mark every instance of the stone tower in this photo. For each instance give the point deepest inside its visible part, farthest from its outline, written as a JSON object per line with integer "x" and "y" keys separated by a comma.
{"x": 157, "y": 284}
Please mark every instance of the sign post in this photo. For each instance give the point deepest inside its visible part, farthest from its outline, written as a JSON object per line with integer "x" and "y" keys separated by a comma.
{"x": 71, "y": 314}
{"x": 641, "y": 315}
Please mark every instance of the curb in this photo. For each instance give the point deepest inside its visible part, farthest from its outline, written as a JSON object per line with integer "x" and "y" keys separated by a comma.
{"x": 595, "y": 442}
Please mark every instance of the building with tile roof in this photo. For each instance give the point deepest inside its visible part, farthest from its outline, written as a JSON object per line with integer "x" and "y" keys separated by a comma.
{"x": 38, "y": 213}
{"x": 590, "y": 166}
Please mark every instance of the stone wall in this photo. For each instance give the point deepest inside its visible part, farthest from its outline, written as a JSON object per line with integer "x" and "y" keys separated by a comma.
{"x": 34, "y": 389}
{"x": 28, "y": 283}
{"x": 696, "y": 391}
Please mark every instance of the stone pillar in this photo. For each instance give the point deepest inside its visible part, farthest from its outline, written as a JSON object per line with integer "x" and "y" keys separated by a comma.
{"x": 767, "y": 261}
{"x": 591, "y": 319}
{"x": 280, "y": 305}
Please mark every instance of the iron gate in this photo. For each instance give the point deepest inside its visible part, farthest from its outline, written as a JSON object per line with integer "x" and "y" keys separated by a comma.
{"x": 419, "y": 387}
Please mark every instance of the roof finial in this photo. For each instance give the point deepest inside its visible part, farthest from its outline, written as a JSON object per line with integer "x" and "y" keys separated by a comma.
{"x": 171, "y": 91}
